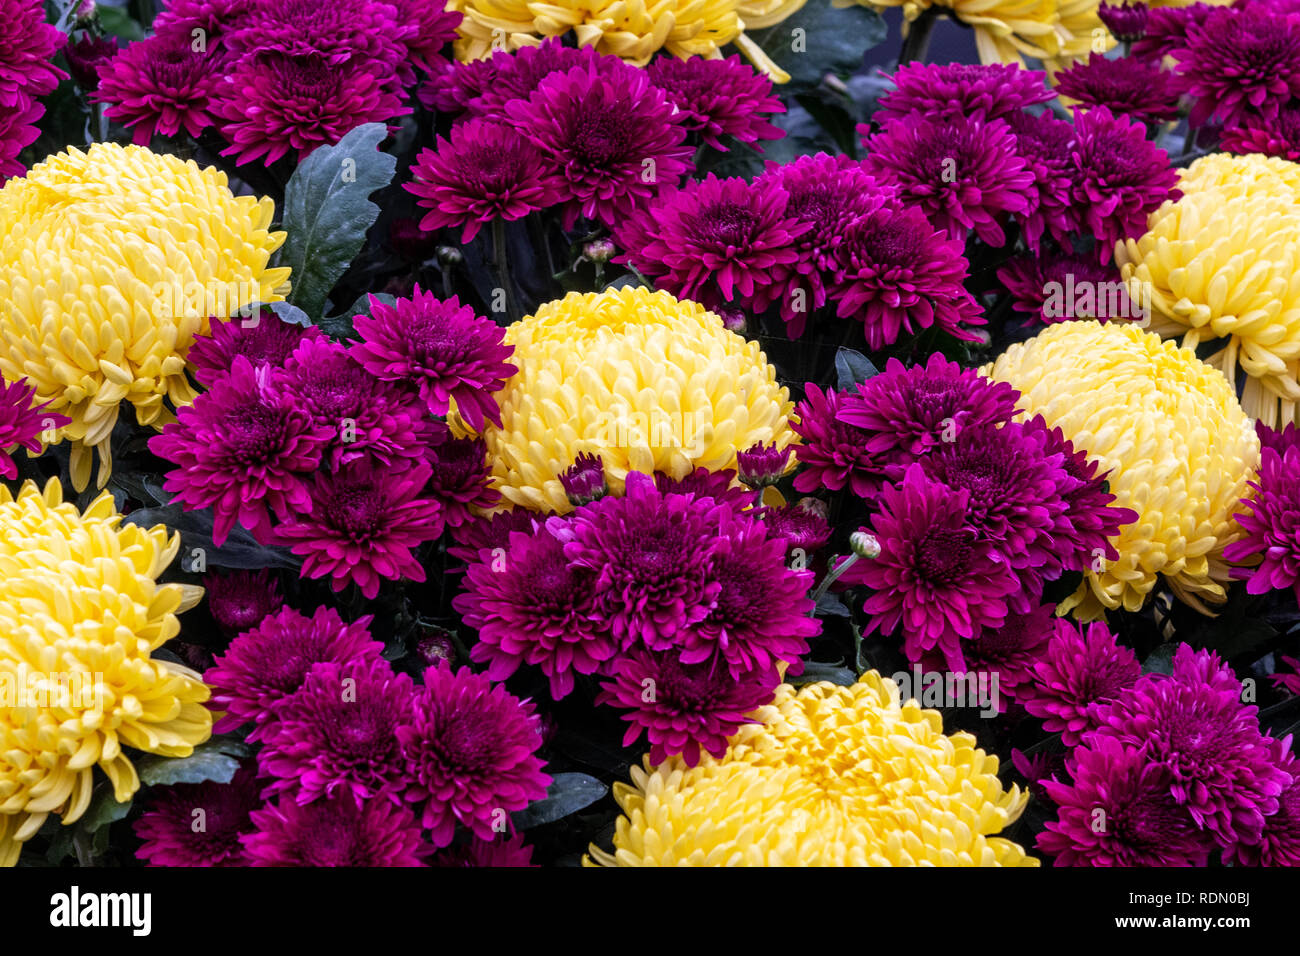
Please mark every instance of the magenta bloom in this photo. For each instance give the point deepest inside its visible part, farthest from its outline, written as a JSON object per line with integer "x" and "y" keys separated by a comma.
{"x": 935, "y": 577}
{"x": 1275, "y": 136}
{"x": 269, "y": 662}
{"x": 452, "y": 89}
{"x": 335, "y": 832}
{"x": 1119, "y": 177}
{"x": 18, "y": 130}
{"x": 484, "y": 172}
{"x": 898, "y": 276}
{"x": 216, "y": 18}
{"x": 491, "y": 532}
{"x": 1051, "y": 287}
{"x": 1279, "y": 439}
{"x": 267, "y": 341}
{"x": 275, "y": 103}
{"x": 584, "y": 480}
{"x": 690, "y": 707}
{"x": 336, "y": 736}
{"x": 245, "y": 449}
{"x": 435, "y": 27}
{"x": 1046, "y": 143}
{"x": 1279, "y": 842}
{"x": 801, "y": 526}
{"x": 1193, "y": 723}
{"x": 1272, "y": 525}
{"x": 1129, "y": 86}
{"x": 501, "y": 851}
{"x": 1287, "y": 682}
{"x": 702, "y": 483}
{"x": 1082, "y": 668}
{"x": 1240, "y": 61}
{"x": 362, "y": 526}
{"x": 718, "y": 97}
{"x": 1143, "y": 825}
{"x": 239, "y": 600}
{"x": 1126, "y": 21}
{"x": 1009, "y": 651}
{"x": 471, "y": 749}
{"x": 612, "y": 134}
{"x": 27, "y": 48}
{"x": 760, "y": 465}
{"x": 160, "y": 86}
{"x": 960, "y": 90}
{"x": 1167, "y": 30}
{"x": 87, "y": 57}
{"x": 652, "y": 554}
{"x": 827, "y": 192}
{"x": 440, "y": 348}
{"x": 460, "y": 481}
{"x": 22, "y": 424}
{"x": 962, "y": 173}
{"x": 516, "y": 75}
{"x": 834, "y": 454}
{"x": 343, "y": 33}
{"x": 531, "y": 605}
{"x": 167, "y": 826}
{"x": 715, "y": 240}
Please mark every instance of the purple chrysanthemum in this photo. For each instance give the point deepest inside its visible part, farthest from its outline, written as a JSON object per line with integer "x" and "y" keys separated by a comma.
{"x": 1272, "y": 525}
{"x": 27, "y": 48}
{"x": 1167, "y": 30}
{"x": 517, "y": 74}
{"x": 1130, "y": 87}
{"x": 160, "y": 86}
{"x": 18, "y": 130}
{"x": 961, "y": 90}
{"x": 1287, "y": 682}
{"x": 344, "y": 33}
{"x": 1117, "y": 811}
{"x": 216, "y": 18}
{"x": 336, "y": 736}
{"x": 760, "y": 465}
{"x": 1279, "y": 842}
{"x": 1062, "y": 286}
{"x": 703, "y": 483}
{"x": 1275, "y": 136}
{"x": 962, "y": 173}
{"x": 491, "y": 532}
{"x": 1082, "y": 668}
{"x": 460, "y": 481}
{"x": 451, "y": 90}
{"x": 434, "y": 28}
{"x": 1045, "y": 143}
{"x": 715, "y": 241}
{"x": 471, "y": 749}
{"x": 87, "y": 56}
{"x": 245, "y": 449}
{"x": 22, "y": 425}
{"x": 724, "y": 97}
{"x": 833, "y": 453}
{"x": 801, "y": 526}
{"x": 1279, "y": 439}
{"x": 934, "y": 577}
{"x": 584, "y": 480}
{"x": 440, "y": 348}
{"x": 239, "y": 599}
{"x": 269, "y": 662}
{"x": 485, "y": 171}
{"x": 530, "y": 605}
{"x": 1125, "y": 21}
{"x": 501, "y": 851}
{"x": 168, "y": 830}
{"x": 684, "y": 708}
{"x": 612, "y": 134}
{"x": 1238, "y": 61}
{"x": 362, "y": 526}
{"x": 1008, "y": 651}
{"x": 899, "y": 275}
{"x": 1119, "y": 177}
{"x": 335, "y": 832}
{"x": 264, "y": 340}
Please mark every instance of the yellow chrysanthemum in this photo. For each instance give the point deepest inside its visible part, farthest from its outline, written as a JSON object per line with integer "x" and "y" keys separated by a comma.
{"x": 112, "y": 261}
{"x": 639, "y": 378}
{"x": 833, "y": 776}
{"x": 632, "y": 29}
{"x": 80, "y": 614}
{"x": 1224, "y": 262}
{"x": 1178, "y": 446}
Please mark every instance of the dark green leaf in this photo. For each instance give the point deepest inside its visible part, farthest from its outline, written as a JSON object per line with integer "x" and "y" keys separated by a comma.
{"x": 118, "y": 23}
{"x": 852, "y": 368}
{"x": 814, "y": 671}
{"x": 327, "y": 212}
{"x": 103, "y": 810}
{"x": 833, "y": 40}
{"x": 568, "y": 793}
{"x": 290, "y": 313}
{"x": 240, "y": 549}
{"x": 340, "y": 326}
{"x": 829, "y": 605}
{"x": 217, "y": 759}
{"x": 1161, "y": 660}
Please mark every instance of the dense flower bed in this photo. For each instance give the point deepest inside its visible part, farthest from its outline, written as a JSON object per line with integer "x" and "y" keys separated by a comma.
{"x": 625, "y": 435}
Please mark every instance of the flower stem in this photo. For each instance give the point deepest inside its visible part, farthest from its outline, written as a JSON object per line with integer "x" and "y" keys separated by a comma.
{"x": 831, "y": 577}
{"x": 501, "y": 265}
{"x": 917, "y": 42}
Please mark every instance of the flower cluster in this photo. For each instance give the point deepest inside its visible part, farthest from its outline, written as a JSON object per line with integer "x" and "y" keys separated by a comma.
{"x": 1271, "y": 518}
{"x": 27, "y": 45}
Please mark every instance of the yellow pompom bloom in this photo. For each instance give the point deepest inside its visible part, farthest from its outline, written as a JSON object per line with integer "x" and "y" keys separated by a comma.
{"x": 1224, "y": 262}
{"x": 1178, "y": 446}
{"x": 80, "y": 614}
{"x": 833, "y": 776}
{"x": 632, "y": 29}
{"x": 111, "y": 262}
{"x": 645, "y": 381}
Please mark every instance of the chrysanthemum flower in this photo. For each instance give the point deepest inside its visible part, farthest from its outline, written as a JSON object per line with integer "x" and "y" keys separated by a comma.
{"x": 492, "y": 532}
{"x": 267, "y": 340}
{"x": 1126, "y": 21}
{"x": 1167, "y": 428}
{"x": 453, "y": 357}
{"x": 954, "y": 91}
{"x": 1038, "y": 284}
{"x": 798, "y": 790}
{"x": 434, "y": 28}
{"x": 22, "y": 424}
{"x": 702, "y": 483}
{"x": 362, "y": 525}
{"x": 239, "y": 600}
{"x": 584, "y": 481}
{"x": 719, "y": 97}
{"x": 27, "y": 48}
{"x": 452, "y": 90}
{"x": 613, "y": 136}
{"x": 516, "y": 75}
{"x": 1279, "y": 842}
{"x": 1274, "y": 136}
{"x": 833, "y": 454}
{"x": 160, "y": 86}
{"x": 274, "y": 103}
{"x": 1082, "y": 667}
{"x": 760, "y": 466}
{"x": 1046, "y": 144}
{"x": 500, "y": 851}
{"x": 648, "y": 382}
{"x": 1167, "y": 29}
{"x": 1128, "y": 87}
{"x": 81, "y": 613}
{"x": 471, "y": 750}
{"x": 460, "y": 481}
{"x": 344, "y": 33}
{"x": 1284, "y": 681}
{"x": 124, "y": 339}
{"x": 167, "y": 826}
{"x": 336, "y": 735}
{"x": 335, "y": 832}
{"x": 802, "y": 526}
{"x": 216, "y": 18}
{"x": 962, "y": 173}
{"x": 270, "y": 662}
{"x": 1272, "y": 526}
{"x": 485, "y": 171}
{"x": 244, "y": 448}
{"x": 715, "y": 241}
{"x": 1007, "y": 652}
{"x": 18, "y": 130}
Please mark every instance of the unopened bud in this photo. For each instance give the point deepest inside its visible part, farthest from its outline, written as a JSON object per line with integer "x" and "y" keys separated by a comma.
{"x": 599, "y": 250}
{"x": 864, "y": 545}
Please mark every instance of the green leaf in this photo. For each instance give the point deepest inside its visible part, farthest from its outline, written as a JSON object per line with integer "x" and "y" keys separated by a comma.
{"x": 118, "y": 23}
{"x": 829, "y": 605}
{"x": 814, "y": 671}
{"x": 340, "y": 326}
{"x": 290, "y": 313}
{"x": 217, "y": 759}
{"x": 852, "y": 368}
{"x": 240, "y": 549}
{"x": 568, "y": 793}
{"x": 1161, "y": 660}
{"x": 103, "y": 810}
{"x": 327, "y": 212}
{"x": 833, "y": 41}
